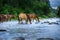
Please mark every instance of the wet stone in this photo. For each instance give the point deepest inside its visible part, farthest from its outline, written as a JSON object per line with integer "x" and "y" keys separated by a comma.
{"x": 58, "y": 21}
{"x": 54, "y": 23}
{"x": 2, "y": 30}
{"x": 19, "y": 38}
{"x": 44, "y": 22}
{"x": 44, "y": 39}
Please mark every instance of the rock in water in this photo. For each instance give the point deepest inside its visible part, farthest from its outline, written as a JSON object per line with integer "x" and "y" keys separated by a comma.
{"x": 2, "y": 30}
{"x": 19, "y": 38}
{"x": 58, "y": 21}
{"x": 54, "y": 23}
{"x": 44, "y": 39}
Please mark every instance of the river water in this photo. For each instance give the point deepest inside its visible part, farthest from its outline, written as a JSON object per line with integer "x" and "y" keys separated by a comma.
{"x": 46, "y": 28}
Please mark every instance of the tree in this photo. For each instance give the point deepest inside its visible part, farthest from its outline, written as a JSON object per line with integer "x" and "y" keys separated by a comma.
{"x": 58, "y": 13}
{"x": 39, "y": 7}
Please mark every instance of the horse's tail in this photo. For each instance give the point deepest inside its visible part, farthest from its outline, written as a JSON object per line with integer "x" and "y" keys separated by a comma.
{"x": 37, "y": 18}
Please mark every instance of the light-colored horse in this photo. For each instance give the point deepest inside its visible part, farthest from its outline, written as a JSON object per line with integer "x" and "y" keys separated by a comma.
{"x": 24, "y": 16}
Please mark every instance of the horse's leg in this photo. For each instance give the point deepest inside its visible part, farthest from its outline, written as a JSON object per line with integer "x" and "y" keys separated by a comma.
{"x": 10, "y": 19}
{"x": 29, "y": 20}
{"x": 6, "y": 19}
{"x": 1, "y": 19}
{"x": 26, "y": 20}
{"x": 18, "y": 20}
{"x": 37, "y": 19}
{"x": 33, "y": 19}
{"x": 21, "y": 20}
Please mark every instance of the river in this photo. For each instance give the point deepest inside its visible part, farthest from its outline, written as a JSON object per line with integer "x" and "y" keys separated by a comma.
{"x": 46, "y": 28}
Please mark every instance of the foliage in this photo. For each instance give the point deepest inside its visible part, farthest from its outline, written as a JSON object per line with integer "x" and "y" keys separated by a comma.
{"x": 39, "y": 7}
{"x": 58, "y": 12}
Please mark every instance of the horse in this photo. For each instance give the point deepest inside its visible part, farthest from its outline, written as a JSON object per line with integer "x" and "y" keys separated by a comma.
{"x": 34, "y": 17}
{"x": 24, "y": 16}
{"x": 2, "y": 17}
{"x": 10, "y": 16}
{"x": 6, "y": 17}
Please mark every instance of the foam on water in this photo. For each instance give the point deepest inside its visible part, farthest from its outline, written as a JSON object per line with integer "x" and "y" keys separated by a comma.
{"x": 31, "y": 31}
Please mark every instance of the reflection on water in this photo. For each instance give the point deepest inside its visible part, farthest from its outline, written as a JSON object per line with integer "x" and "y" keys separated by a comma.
{"x": 31, "y": 31}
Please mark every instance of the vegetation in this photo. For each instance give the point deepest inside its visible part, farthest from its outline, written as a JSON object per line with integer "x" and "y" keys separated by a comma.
{"x": 40, "y": 7}
{"x": 58, "y": 12}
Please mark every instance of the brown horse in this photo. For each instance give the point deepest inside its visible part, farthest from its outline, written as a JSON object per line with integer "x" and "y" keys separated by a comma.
{"x": 2, "y": 17}
{"x": 10, "y": 17}
{"x": 6, "y": 17}
{"x": 34, "y": 17}
{"x": 24, "y": 16}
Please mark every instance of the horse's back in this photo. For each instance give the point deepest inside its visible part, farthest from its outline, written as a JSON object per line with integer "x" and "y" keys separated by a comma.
{"x": 32, "y": 15}
{"x": 22, "y": 15}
